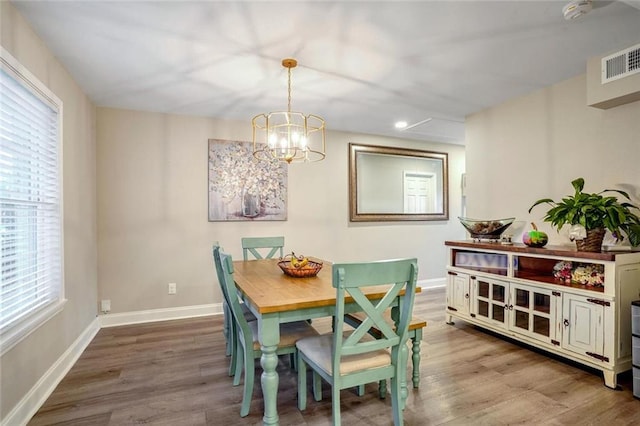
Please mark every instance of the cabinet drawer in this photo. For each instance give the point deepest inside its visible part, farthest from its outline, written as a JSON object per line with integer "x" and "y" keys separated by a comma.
{"x": 636, "y": 350}
{"x": 636, "y": 382}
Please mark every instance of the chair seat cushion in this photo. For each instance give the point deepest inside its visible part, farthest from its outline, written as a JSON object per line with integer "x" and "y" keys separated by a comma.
{"x": 319, "y": 350}
{"x": 290, "y": 333}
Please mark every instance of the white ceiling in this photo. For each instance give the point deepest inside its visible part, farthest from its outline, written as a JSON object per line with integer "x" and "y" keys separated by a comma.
{"x": 362, "y": 64}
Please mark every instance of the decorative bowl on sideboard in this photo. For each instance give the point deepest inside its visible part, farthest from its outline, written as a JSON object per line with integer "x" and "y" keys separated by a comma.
{"x": 486, "y": 229}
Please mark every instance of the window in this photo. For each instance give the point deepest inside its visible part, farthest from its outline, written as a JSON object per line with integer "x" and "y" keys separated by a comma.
{"x": 31, "y": 290}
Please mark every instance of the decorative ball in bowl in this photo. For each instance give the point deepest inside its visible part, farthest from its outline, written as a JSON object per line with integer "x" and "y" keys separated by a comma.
{"x": 299, "y": 266}
{"x": 487, "y": 229}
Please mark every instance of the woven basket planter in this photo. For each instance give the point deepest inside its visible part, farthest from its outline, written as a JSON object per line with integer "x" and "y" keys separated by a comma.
{"x": 593, "y": 242}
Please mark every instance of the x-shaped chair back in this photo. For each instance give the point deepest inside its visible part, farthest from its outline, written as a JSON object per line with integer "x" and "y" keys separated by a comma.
{"x": 349, "y": 279}
{"x": 259, "y": 245}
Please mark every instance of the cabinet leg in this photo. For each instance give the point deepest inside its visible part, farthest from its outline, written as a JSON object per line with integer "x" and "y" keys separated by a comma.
{"x": 610, "y": 379}
{"x": 448, "y": 319}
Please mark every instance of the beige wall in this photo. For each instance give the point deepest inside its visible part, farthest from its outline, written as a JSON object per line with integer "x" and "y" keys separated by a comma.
{"x": 23, "y": 365}
{"x": 532, "y": 147}
{"x": 152, "y": 216}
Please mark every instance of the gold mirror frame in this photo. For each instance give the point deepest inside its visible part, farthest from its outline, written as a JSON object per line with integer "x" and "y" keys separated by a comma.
{"x": 392, "y": 162}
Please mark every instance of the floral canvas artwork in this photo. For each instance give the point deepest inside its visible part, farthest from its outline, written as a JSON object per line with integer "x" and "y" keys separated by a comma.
{"x": 242, "y": 188}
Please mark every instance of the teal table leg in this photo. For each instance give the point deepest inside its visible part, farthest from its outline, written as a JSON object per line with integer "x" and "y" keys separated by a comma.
{"x": 269, "y": 338}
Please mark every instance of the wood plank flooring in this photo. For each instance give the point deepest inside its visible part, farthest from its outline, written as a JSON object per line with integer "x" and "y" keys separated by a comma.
{"x": 175, "y": 373}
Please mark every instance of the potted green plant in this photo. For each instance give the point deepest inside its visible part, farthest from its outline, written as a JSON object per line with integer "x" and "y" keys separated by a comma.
{"x": 596, "y": 213}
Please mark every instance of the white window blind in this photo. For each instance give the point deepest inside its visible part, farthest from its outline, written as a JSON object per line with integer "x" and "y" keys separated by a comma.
{"x": 30, "y": 202}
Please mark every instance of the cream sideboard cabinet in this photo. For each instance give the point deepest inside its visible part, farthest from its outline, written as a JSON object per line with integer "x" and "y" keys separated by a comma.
{"x": 527, "y": 294}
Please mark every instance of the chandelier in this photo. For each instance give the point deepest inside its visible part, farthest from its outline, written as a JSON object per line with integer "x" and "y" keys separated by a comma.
{"x": 288, "y": 136}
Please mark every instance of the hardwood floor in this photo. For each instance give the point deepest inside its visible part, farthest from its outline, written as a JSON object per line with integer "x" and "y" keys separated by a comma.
{"x": 175, "y": 373}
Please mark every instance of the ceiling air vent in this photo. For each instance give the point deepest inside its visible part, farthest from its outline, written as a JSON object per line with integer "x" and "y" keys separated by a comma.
{"x": 621, "y": 64}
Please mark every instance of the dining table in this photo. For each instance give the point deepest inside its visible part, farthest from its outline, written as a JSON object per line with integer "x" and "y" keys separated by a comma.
{"x": 276, "y": 298}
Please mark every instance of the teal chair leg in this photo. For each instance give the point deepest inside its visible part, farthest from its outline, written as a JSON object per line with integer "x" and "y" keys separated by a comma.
{"x": 293, "y": 362}
{"x": 335, "y": 405}
{"x": 249, "y": 375}
{"x": 317, "y": 386}
{"x": 225, "y": 328}
{"x": 403, "y": 360}
{"x": 238, "y": 360}
{"x": 232, "y": 343}
{"x": 302, "y": 384}
{"x": 382, "y": 389}
{"x": 396, "y": 400}
{"x": 360, "y": 390}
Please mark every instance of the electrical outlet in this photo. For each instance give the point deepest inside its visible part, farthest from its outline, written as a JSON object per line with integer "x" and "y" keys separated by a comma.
{"x": 173, "y": 288}
{"x": 105, "y": 306}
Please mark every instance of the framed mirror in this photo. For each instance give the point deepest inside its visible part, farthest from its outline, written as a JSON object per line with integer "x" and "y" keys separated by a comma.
{"x": 397, "y": 184}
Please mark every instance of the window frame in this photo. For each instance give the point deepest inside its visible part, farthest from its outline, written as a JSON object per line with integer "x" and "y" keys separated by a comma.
{"x": 38, "y": 316}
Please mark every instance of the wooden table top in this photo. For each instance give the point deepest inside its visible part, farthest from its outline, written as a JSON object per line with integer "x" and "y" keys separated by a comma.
{"x": 270, "y": 290}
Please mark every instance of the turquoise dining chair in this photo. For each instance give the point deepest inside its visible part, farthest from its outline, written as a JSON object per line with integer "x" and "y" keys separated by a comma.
{"x": 247, "y": 343}
{"x": 229, "y": 328}
{"x": 257, "y": 246}
{"x": 353, "y": 358}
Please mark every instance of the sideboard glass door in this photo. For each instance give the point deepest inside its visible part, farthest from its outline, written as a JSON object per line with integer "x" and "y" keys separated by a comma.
{"x": 490, "y": 301}
{"x": 532, "y": 312}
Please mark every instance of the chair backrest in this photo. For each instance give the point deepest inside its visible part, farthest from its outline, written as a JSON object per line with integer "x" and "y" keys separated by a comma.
{"x": 218, "y": 264}
{"x": 253, "y": 244}
{"x": 231, "y": 293}
{"x": 348, "y": 279}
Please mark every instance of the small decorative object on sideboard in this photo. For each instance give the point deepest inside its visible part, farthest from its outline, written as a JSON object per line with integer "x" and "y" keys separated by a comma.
{"x": 490, "y": 229}
{"x": 562, "y": 271}
{"x": 535, "y": 238}
{"x": 299, "y": 266}
{"x": 506, "y": 240}
{"x": 596, "y": 213}
{"x": 589, "y": 274}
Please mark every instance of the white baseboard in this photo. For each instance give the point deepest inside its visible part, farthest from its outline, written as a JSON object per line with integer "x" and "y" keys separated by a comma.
{"x": 432, "y": 283}
{"x": 152, "y": 315}
{"x": 38, "y": 394}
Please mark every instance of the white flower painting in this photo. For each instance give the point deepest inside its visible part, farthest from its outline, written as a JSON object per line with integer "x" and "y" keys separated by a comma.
{"x": 242, "y": 188}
